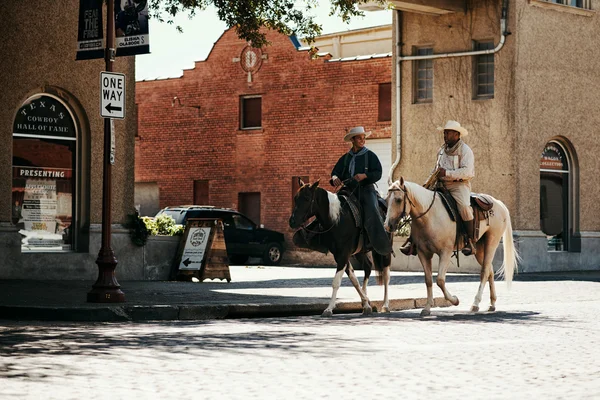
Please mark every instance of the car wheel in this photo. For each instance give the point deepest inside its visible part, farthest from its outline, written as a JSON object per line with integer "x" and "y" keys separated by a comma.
{"x": 272, "y": 254}
{"x": 238, "y": 259}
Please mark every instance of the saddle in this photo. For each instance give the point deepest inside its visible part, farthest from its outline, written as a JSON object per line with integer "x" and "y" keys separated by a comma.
{"x": 347, "y": 196}
{"x": 482, "y": 208}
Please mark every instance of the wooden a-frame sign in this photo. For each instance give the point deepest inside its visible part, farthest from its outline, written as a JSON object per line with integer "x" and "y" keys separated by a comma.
{"x": 202, "y": 251}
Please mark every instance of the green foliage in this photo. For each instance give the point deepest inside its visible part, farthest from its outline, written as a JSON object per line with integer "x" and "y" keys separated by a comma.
{"x": 248, "y": 16}
{"x": 137, "y": 229}
{"x": 142, "y": 227}
{"x": 164, "y": 223}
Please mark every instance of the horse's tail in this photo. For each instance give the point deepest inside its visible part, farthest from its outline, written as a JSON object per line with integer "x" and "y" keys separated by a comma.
{"x": 381, "y": 262}
{"x": 511, "y": 257}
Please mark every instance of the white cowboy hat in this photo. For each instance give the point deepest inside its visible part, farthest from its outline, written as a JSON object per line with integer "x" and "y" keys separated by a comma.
{"x": 358, "y": 130}
{"x": 454, "y": 126}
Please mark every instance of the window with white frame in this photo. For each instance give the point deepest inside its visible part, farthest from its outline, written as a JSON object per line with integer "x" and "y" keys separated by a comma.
{"x": 423, "y": 76}
{"x": 483, "y": 71}
{"x": 586, "y": 4}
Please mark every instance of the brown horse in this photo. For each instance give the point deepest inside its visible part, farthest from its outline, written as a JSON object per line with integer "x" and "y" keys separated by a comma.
{"x": 341, "y": 237}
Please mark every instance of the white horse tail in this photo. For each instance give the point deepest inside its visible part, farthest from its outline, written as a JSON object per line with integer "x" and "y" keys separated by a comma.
{"x": 511, "y": 257}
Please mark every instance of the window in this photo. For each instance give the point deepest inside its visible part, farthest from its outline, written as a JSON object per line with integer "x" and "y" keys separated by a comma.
{"x": 44, "y": 175}
{"x": 484, "y": 71}
{"x": 423, "y": 79}
{"x": 251, "y": 112}
{"x": 385, "y": 102}
{"x": 201, "y": 192}
{"x": 574, "y": 3}
{"x": 137, "y": 121}
{"x": 242, "y": 223}
{"x": 296, "y": 186}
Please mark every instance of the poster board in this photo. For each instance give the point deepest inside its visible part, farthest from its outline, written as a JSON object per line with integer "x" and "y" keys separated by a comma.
{"x": 202, "y": 251}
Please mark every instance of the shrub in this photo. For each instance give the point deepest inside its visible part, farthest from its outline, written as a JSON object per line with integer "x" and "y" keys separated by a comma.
{"x": 142, "y": 227}
{"x": 137, "y": 229}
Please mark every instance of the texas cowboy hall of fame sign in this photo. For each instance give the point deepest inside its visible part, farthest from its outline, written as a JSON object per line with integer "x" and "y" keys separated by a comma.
{"x": 202, "y": 251}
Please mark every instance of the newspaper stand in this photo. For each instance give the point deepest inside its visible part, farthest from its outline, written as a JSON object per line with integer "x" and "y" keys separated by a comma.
{"x": 202, "y": 252}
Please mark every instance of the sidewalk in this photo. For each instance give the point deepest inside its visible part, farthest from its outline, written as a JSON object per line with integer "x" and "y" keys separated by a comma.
{"x": 254, "y": 291}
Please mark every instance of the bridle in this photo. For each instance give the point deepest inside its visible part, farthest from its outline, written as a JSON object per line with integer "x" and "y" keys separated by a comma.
{"x": 309, "y": 214}
{"x": 404, "y": 200}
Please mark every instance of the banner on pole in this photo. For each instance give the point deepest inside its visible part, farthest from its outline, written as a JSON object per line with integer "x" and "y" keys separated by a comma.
{"x": 131, "y": 27}
{"x": 90, "y": 43}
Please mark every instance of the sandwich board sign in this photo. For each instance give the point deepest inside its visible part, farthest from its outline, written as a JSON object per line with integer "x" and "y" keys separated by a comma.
{"x": 202, "y": 251}
{"x": 112, "y": 95}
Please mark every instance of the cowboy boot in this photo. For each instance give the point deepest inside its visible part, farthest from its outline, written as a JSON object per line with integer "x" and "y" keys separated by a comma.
{"x": 469, "y": 248}
{"x": 409, "y": 249}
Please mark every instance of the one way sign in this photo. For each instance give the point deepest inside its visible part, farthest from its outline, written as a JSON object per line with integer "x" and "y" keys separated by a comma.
{"x": 112, "y": 95}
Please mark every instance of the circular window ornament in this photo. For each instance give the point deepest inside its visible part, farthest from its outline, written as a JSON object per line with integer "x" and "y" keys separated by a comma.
{"x": 251, "y": 59}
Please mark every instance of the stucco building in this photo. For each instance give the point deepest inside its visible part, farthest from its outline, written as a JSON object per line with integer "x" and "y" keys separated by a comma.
{"x": 531, "y": 106}
{"x": 52, "y": 157}
{"x": 239, "y": 128}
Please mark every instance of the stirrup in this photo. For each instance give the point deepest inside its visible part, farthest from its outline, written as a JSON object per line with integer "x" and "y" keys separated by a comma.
{"x": 469, "y": 249}
{"x": 409, "y": 249}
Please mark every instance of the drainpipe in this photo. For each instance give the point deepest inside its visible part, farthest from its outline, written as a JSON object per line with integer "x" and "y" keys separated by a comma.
{"x": 400, "y": 58}
{"x": 398, "y": 96}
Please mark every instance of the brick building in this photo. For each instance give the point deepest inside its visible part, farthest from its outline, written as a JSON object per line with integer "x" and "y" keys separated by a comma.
{"x": 238, "y": 128}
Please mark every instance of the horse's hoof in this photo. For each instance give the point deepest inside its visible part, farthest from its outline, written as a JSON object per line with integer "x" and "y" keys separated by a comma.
{"x": 367, "y": 310}
{"x": 425, "y": 313}
{"x": 385, "y": 309}
{"x": 327, "y": 313}
{"x": 492, "y": 309}
{"x": 455, "y": 301}
{"x": 474, "y": 308}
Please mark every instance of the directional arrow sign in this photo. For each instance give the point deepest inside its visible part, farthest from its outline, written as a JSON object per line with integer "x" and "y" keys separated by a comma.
{"x": 112, "y": 95}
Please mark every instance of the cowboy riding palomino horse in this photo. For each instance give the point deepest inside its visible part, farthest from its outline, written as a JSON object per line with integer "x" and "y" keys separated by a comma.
{"x": 339, "y": 234}
{"x": 434, "y": 232}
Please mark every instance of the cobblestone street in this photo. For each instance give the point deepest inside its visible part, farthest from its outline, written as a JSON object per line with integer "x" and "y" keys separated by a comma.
{"x": 541, "y": 343}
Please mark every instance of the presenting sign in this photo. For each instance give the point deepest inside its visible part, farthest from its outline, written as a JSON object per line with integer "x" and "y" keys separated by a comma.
{"x": 90, "y": 43}
{"x": 131, "y": 26}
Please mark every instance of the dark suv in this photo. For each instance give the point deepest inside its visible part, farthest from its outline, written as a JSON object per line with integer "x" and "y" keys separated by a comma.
{"x": 242, "y": 237}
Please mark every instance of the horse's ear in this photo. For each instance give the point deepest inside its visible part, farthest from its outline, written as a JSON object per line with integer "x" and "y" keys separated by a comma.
{"x": 300, "y": 182}
{"x": 315, "y": 184}
{"x": 402, "y": 181}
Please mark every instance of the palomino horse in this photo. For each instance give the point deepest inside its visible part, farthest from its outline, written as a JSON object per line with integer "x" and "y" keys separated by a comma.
{"x": 433, "y": 232}
{"x": 341, "y": 236}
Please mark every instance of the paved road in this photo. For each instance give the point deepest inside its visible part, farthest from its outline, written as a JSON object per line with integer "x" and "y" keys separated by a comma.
{"x": 543, "y": 342}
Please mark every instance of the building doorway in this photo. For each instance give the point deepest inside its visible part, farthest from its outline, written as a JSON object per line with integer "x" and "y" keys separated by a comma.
{"x": 249, "y": 205}
{"x": 558, "y": 197}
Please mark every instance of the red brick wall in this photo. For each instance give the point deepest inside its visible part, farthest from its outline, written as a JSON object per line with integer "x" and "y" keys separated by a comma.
{"x": 307, "y": 105}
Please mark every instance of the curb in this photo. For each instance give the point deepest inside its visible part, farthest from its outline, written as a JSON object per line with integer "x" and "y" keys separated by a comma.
{"x": 139, "y": 313}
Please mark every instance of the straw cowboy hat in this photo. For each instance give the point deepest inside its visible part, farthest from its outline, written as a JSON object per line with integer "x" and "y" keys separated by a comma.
{"x": 358, "y": 130}
{"x": 454, "y": 126}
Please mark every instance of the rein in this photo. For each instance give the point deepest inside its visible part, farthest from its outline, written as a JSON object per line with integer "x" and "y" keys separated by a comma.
{"x": 303, "y": 227}
{"x": 409, "y": 220}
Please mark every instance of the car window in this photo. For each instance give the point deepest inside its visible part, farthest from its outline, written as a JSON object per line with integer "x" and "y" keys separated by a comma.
{"x": 177, "y": 215}
{"x": 242, "y": 222}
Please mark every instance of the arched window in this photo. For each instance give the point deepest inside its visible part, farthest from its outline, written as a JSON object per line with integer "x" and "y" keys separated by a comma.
{"x": 44, "y": 169}
{"x": 559, "y": 196}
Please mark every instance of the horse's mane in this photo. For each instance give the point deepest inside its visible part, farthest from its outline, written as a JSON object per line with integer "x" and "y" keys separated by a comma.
{"x": 419, "y": 194}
